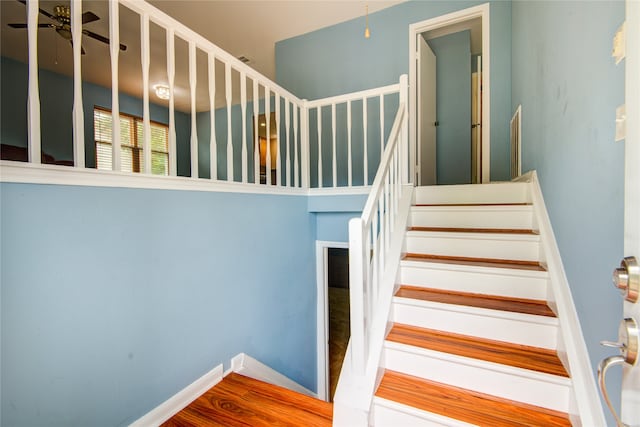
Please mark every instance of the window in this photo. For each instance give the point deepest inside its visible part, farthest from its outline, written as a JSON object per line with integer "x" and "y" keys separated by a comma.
{"x": 131, "y": 141}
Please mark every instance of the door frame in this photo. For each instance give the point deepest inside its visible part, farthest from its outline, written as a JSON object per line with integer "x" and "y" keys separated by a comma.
{"x": 322, "y": 313}
{"x": 480, "y": 11}
{"x": 630, "y": 399}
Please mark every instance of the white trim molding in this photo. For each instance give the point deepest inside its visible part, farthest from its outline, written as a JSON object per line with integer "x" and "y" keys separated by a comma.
{"x": 322, "y": 314}
{"x": 249, "y": 367}
{"x": 588, "y": 408}
{"x": 481, "y": 11}
{"x": 180, "y": 400}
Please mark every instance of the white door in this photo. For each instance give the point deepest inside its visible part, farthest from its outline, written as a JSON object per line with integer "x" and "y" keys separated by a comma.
{"x": 426, "y": 113}
{"x": 476, "y": 124}
{"x": 631, "y": 375}
{"x": 625, "y": 280}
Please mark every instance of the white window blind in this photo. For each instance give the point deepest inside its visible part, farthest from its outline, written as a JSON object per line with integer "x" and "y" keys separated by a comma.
{"x": 131, "y": 140}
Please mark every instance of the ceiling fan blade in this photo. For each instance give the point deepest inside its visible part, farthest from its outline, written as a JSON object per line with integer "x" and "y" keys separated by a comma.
{"x": 103, "y": 39}
{"x": 89, "y": 17}
{"x": 81, "y": 48}
{"x": 42, "y": 11}
{"x": 25, "y": 25}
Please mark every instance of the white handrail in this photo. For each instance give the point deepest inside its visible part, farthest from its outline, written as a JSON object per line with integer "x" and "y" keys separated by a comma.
{"x": 369, "y": 238}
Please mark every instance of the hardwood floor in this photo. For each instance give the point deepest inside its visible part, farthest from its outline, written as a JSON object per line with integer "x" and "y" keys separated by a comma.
{"x": 465, "y": 405}
{"x": 339, "y": 333}
{"x": 478, "y": 262}
{"x": 515, "y": 305}
{"x": 241, "y": 401}
{"x": 476, "y": 230}
{"x": 520, "y": 356}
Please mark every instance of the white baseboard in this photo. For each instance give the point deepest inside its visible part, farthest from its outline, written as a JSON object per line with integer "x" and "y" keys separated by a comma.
{"x": 252, "y": 368}
{"x": 180, "y": 400}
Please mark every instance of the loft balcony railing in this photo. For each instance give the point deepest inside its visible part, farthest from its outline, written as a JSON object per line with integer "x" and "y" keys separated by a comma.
{"x": 330, "y": 143}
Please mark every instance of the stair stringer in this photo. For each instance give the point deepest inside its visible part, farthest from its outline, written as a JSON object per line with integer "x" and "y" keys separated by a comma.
{"x": 585, "y": 407}
{"x": 354, "y": 394}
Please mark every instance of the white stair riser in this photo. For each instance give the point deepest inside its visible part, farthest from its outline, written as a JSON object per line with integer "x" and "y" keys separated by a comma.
{"x": 390, "y": 414}
{"x": 474, "y": 193}
{"x": 519, "y": 217}
{"x": 507, "y": 284}
{"x": 533, "y": 391}
{"x": 514, "y": 327}
{"x": 521, "y": 248}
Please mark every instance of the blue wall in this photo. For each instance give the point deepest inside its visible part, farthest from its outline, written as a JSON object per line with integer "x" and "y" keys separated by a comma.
{"x": 569, "y": 88}
{"x": 453, "y": 107}
{"x": 338, "y": 59}
{"x": 98, "y": 327}
{"x": 56, "y": 104}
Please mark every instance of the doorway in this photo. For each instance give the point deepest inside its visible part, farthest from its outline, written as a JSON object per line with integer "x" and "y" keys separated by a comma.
{"x": 333, "y": 315}
{"x": 451, "y": 136}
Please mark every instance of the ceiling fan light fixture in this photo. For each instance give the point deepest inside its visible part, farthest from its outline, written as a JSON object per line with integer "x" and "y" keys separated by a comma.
{"x": 162, "y": 91}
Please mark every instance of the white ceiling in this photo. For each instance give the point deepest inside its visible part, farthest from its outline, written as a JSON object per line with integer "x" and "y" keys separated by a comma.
{"x": 247, "y": 28}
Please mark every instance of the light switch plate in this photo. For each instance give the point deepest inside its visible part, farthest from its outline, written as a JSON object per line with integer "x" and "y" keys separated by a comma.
{"x": 621, "y": 123}
{"x": 619, "y": 42}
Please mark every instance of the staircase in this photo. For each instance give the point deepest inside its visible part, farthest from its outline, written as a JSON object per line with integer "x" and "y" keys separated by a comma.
{"x": 471, "y": 338}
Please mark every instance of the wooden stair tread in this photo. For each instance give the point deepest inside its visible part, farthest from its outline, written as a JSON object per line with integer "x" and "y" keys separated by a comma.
{"x": 478, "y": 262}
{"x": 493, "y": 302}
{"x": 476, "y": 230}
{"x": 241, "y": 401}
{"x": 465, "y": 405}
{"x": 472, "y": 204}
{"x": 517, "y": 355}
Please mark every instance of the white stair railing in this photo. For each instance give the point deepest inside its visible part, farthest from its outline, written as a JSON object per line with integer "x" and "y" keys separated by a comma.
{"x": 375, "y": 245}
{"x": 242, "y": 94}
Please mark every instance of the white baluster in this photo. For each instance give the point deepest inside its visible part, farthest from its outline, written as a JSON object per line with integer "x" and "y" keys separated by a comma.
{"x": 287, "y": 123}
{"x": 243, "y": 104}
{"x": 78, "y": 110}
{"x": 227, "y": 76}
{"x": 267, "y": 120}
{"x": 305, "y": 169}
{"x": 144, "y": 52}
{"x": 256, "y": 131}
{"x": 333, "y": 129}
{"x": 319, "y": 147}
{"x": 387, "y": 211}
{"x": 33, "y": 97}
{"x": 381, "y": 126}
{"x": 114, "y": 49}
{"x": 194, "y": 127}
{"x": 278, "y": 157}
{"x": 365, "y": 151}
{"x": 381, "y": 242}
{"x": 295, "y": 146}
{"x": 349, "y": 160}
{"x": 171, "y": 75}
{"x": 213, "y": 144}
{"x": 357, "y": 268}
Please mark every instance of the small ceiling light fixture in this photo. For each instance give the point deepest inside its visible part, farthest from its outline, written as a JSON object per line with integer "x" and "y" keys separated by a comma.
{"x": 367, "y": 33}
{"x": 162, "y": 91}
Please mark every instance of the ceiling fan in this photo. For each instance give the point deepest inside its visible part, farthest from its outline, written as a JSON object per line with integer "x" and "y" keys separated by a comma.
{"x": 62, "y": 17}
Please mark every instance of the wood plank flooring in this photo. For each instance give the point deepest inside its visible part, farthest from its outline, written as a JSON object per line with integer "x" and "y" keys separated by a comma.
{"x": 465, "y": 405}
{"x": 478, "y": 262}
{"x": 241, "y": 401}
{"x": 514, "y": 305}
{"x": 476, "y": 230}
{"x": 520, "y": 356}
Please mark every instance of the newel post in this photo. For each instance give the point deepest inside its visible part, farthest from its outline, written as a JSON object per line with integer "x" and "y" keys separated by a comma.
{"x": 407, "y": 156}
{"x": 356, "y": 295}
